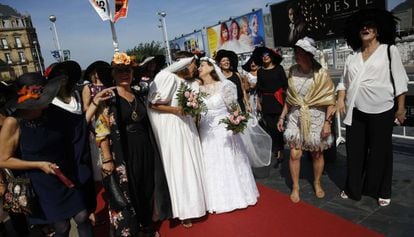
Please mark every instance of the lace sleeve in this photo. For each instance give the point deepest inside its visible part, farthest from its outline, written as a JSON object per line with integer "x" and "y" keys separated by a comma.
{"x": 229, "y": 93}
{"x": 162, "y": 89}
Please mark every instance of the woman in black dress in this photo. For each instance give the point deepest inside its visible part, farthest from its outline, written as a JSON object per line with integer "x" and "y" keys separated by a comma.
{"x": 271, "y": 85}
{"x": 129, "y": 150}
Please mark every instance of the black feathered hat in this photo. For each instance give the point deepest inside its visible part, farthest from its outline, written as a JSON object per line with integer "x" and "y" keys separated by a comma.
{"x": 95, "y": 66}
{"x": 384, "y": 21}
{"x": 258, "y": 54}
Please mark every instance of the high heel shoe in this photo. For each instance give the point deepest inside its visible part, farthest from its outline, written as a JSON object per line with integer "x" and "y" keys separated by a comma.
{"x": 384, "y": 202}
{"x": 343, "y": 195}
{"x": 319, "y": 193}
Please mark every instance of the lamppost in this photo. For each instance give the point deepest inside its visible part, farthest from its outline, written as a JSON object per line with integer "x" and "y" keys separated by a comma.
{"x": 162, "y": 15}
{"x": 52, "y": 18}
{"x": 38, "y": 56}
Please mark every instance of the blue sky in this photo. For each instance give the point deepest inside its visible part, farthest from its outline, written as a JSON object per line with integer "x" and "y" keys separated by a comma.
{"x": 89, "y": 38}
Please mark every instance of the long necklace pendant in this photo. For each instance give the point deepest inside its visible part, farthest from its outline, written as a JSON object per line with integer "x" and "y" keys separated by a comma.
{"x": 134, "y": 116}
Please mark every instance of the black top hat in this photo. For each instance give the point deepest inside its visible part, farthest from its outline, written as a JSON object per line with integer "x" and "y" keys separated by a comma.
{"x": 384, "y": 21}
{"x": 95, "y": 66}
{"x": 232, "y": 56}
{"x": 35, "y": 91}
{"x": 258, "y": 54}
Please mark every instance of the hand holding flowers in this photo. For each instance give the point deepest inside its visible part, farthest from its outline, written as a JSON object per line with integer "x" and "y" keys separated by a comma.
{"x": 236, "y": 121}
{"x": 191, "y": 101}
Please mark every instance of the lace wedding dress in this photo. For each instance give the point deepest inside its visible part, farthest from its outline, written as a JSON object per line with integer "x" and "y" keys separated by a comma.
{"x": 228, "y": 179}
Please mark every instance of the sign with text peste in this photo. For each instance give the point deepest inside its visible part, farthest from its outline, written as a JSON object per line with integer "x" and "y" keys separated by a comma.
{"x": 319, "y": 19}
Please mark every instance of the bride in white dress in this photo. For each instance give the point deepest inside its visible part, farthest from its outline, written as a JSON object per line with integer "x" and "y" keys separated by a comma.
{"x": 228, "y": 178}
{"x": 178, "y": 141}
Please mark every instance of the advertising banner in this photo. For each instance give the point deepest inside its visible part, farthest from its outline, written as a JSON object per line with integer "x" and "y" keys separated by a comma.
{"x": 241, "y": 34}
{"x": 191, "y": 43}
{"x": 319, "y": 19}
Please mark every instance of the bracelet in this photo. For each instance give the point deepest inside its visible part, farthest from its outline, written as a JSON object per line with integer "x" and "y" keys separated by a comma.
{"x": 93, "y": 102}
{"x": 328, "y": 120}
{"x": 281, "y": 118}
{"x": 107, "y": 161}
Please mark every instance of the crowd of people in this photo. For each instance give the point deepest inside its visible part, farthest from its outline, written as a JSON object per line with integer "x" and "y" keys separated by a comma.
{"x": 126, "y": 129}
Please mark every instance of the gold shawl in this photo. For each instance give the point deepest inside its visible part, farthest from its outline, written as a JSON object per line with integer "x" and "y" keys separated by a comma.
{"x": 322, "y": 93}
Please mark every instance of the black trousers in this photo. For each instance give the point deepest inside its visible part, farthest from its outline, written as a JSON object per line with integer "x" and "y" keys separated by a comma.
{"x": 270, "y": 121}
{"x": 369, "y": 155}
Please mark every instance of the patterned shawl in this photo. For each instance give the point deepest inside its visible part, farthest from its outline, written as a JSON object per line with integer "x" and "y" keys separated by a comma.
{"x": 322, "y": 93}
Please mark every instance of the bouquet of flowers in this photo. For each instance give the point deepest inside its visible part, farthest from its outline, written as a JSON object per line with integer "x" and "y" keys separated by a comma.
{"x": 236, "y": 121}
{"x": 191, "y": 101}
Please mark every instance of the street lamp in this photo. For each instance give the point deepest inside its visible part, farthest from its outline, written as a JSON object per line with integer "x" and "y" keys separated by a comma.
{"x": 52, "y": 18}
{"x": 162, "y": 15}
{"x": 38, "y": 56}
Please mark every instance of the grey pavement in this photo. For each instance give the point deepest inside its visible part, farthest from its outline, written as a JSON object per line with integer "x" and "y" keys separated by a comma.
{"x": 396, "y": 220}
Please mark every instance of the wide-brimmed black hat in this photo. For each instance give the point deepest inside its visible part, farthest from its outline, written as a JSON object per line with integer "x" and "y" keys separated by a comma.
{"x": 232, "y": 56}
{"x": 260, "y": 51}
{"x": 35, "y": 91}
{"x": 72, "y": 70}
{"x": 384, "y": 21}
{"x": 247, "y": 65}
{"x": 95, "y": 66}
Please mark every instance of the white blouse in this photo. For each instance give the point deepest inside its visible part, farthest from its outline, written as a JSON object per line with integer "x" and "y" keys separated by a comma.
{"x": 368, "y": 84}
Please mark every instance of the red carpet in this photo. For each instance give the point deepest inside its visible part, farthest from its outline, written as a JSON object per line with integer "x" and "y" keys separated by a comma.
{"x": 273, "y": 215}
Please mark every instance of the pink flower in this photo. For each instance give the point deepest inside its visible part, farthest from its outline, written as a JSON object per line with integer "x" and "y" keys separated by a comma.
{"x": 188, "y": 104}
{"x": 236, "y": 122}
{"x": 236, "y": 113}
{"x": 242, "y": 118}
{"x": 187, "y": 94}
{"x": 195, "y": 105}
{"x": 231, "y": 117}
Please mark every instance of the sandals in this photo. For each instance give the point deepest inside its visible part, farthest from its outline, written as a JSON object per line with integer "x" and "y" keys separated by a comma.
{"x": 186, "y": 223}
{"x": 384, "y": 202}
{"x": 319, "y": 193}
{"x": 294, "y": 196}
{"x": 343, "y": 195}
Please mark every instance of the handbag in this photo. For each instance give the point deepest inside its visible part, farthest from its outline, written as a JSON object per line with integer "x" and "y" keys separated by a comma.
{"x": 113, "y": 192}
{"x": 19, "y": 196}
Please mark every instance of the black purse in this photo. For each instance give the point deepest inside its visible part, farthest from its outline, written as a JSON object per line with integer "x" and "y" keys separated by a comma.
{"x": 113, "y": 192}
{"x": 19, "y": 196}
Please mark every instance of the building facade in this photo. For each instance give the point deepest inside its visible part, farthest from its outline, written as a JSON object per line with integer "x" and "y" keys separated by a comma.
{"x": 19, "y": 46}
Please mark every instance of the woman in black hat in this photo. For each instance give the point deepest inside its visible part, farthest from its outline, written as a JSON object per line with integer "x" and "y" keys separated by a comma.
{"x": 46, "y": 144}
{"x": 374, "y": 77}
{"x": 271, "y": 85}
{"x": 228, "y": 61}
{"x": 92, "y": 74}
{"x": 139, "y": 196}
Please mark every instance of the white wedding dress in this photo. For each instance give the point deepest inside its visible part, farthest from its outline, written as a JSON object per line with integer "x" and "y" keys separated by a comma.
{"x": 180, "y": 148}
{"x": 228, "y": 178}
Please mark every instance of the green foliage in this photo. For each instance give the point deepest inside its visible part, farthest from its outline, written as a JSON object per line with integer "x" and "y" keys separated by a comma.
{"x": 146, "y": 49}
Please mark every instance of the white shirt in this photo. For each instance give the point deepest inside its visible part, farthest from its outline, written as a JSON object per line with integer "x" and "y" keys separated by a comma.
{"x": 368, "y": 84}
{"x": 74, "y": 105}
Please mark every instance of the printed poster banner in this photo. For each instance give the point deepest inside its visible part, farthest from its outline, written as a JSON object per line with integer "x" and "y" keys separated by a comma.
{"x": 191, "y": 43}
{"x": 101, "y": 7}
{"x": 319, "y": 19}
{"x": 241, "y": 34}
{"x": 121, "y": 9}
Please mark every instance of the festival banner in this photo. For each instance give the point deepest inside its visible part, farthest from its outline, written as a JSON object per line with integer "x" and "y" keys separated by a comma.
{"x": 191, "y": 43}
{"x": 101, "y": 7}
{"x": 121, "y": 9}
{"x": 319, "y": 19}
{"x": 241, "y": 34}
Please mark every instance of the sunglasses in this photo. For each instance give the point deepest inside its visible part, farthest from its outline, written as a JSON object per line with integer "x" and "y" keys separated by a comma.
{"x": 123, "y": 70}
